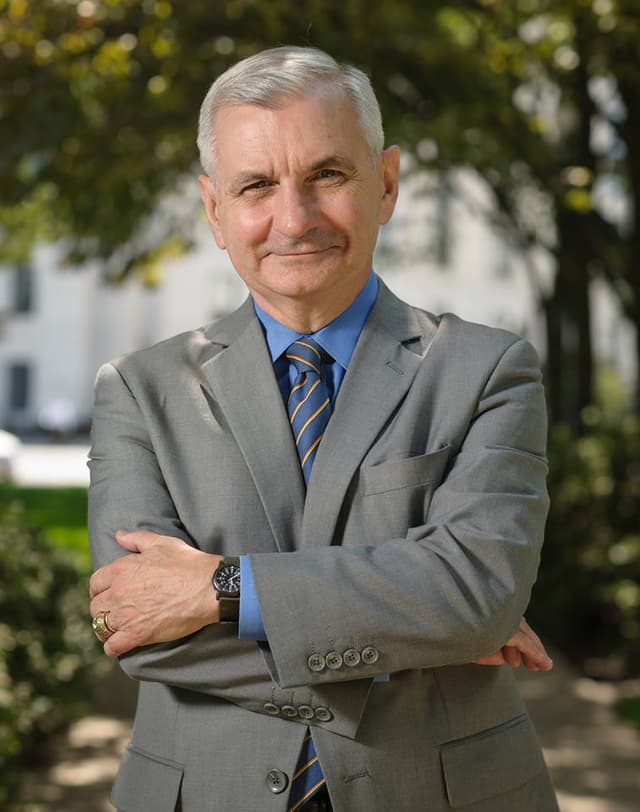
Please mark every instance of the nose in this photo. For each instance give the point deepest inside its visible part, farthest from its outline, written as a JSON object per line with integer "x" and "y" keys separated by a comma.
{"x": 295, "y": 210}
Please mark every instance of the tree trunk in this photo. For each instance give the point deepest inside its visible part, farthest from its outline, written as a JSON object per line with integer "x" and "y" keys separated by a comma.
{"x": 568, "y": 327}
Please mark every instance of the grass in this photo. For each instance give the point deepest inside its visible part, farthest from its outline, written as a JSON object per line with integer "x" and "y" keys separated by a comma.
{"x": 60, "y": 512}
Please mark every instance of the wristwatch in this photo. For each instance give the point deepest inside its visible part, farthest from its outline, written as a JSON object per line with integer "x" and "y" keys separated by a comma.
{"x": 226, "y": 582}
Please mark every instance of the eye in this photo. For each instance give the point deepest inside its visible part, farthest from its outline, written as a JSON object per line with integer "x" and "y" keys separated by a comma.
{"x": 256, "y": 186}
{"x": 329, "y": 174}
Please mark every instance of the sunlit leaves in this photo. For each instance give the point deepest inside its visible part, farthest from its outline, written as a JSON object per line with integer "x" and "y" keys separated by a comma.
{"x": 99, "y": 98}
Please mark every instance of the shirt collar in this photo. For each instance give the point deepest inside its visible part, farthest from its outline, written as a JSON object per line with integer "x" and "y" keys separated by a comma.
{"x": 338, "y": 338}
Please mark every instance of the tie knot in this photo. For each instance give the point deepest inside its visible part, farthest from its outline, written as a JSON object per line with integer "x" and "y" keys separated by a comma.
{"x": 306, "y": 356}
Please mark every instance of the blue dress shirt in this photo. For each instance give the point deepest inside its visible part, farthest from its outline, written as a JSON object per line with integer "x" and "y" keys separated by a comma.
{"x": 338, "y": 339}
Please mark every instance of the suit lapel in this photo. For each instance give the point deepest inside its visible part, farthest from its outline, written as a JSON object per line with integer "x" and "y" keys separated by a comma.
{"x": 389, "y": 352}
{"x": 240, "y": 375}
{"x": 241, "y": 379}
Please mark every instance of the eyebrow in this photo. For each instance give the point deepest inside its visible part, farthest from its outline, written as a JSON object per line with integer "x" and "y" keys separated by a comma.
{"x": 242, "y": 179}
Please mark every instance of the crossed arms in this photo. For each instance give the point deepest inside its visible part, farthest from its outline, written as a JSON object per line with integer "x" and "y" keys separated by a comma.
{"x": 162, "y": 592}
{"x": 159, "y": 595}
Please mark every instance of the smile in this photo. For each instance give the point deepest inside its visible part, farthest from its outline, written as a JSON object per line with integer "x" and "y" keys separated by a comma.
{"x": 306, "y": 253}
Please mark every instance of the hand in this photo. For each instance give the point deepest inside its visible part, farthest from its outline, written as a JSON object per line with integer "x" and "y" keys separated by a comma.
{"x": 161, "y": 592}
{"x": 524, "y": 647}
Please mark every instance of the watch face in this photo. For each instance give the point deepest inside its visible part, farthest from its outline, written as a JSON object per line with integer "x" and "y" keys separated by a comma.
{"x": 227, "y": 580}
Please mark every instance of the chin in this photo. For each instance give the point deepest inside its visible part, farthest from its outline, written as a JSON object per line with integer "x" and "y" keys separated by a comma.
{"x": 305, "y": 275}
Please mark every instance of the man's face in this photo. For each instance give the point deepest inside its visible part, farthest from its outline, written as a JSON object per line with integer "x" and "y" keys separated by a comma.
{"x": 297, "y": 200}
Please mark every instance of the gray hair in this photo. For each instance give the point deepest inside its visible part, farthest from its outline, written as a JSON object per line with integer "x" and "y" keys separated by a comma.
{"x": 272, "y": 77}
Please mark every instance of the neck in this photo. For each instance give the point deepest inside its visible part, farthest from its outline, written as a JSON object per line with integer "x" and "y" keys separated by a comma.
{"x": 304, "y": 316}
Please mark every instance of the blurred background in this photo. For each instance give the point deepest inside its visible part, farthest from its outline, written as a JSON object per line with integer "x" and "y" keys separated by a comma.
{"x": 519, "y": 125}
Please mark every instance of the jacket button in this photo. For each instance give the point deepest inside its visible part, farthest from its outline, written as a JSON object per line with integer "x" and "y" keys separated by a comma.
{"x": 333, "y": 660}
{"x": 370, "y": 655}
{"x": 316, "y": 662}
{"x": 351, "y": 657}
{"x": 271, "y": 708}
{"x": 323, "y": 714}
{"x": 289, "y": 710}
{"x": 305, "y": 712}
{"x": 277, "y": 781}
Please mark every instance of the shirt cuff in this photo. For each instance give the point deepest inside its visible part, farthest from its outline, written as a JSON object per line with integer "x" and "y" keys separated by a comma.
{"x": 250, "y": 626}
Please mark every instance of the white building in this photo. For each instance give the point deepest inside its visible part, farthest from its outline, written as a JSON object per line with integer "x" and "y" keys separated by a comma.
{"x": 58, "y": 325}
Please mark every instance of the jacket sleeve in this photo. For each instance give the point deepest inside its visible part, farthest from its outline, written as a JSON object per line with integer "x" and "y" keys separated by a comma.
{"x": 450, "y": 590}
{"x": 128, "y": 491}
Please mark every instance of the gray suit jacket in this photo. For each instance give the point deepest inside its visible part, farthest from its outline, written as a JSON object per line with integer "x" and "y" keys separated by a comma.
{"x": 413, "y": 553}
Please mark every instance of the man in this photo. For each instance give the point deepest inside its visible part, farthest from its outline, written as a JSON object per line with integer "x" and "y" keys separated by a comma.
{"x": 379, "y": 472}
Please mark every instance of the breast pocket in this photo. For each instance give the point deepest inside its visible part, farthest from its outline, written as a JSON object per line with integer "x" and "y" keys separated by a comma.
{"x": 397, "y": 494}
{"x": 491, "y": 763}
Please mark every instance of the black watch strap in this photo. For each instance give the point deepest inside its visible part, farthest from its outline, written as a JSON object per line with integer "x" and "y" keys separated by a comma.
{"x": 229, "y": 610}
{"x": 228, "y": 591}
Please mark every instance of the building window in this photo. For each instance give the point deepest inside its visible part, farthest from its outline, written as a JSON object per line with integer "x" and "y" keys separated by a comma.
{"x": 19, "y": 385}
{"x": 23, "y": 289}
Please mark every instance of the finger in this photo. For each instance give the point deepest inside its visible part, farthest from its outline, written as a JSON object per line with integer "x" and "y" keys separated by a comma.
{"x": 496, "y": 658}
{"x": 544, "y": 663}
{"x": 119, "y": 643}
{"x": 138, "y": 541}
{"x": 133, "y": 541}
{"x": 512, "y": 656}
{"x": 96, "y": 606}
{"x": 534, "y": 652}
{"x": 101, "y": 603}
{"x": 99, "y": 581}
{"x": 530, "y": 632}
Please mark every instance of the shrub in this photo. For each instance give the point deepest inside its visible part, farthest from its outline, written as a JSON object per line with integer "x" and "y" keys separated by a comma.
{"x": 587, "y": 599}
{"x": 46, "y": 644}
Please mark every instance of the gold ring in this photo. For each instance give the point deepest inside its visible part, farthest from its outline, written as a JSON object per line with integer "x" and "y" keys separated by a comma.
{"x": 101, "y": 627}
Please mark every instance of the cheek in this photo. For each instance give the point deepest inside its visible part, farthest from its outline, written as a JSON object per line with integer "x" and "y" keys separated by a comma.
{"x": 248, "y": 229}
{"x": 361, "y": 222}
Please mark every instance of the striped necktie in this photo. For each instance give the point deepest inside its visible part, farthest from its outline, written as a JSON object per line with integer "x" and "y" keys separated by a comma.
{"x": 309, "y": 404}
{"x": 309, "y": 409}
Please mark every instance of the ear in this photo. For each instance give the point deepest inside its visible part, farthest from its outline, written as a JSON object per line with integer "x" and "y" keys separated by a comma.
{"x": 208, "y": 195}
{"x": 390, "y": 173}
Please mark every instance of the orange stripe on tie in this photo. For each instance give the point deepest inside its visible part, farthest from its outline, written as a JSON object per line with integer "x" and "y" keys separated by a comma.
{"x": 306, "y": 796}
{"x": 293, "y": 357}
{"x": 310, "y": 420}
{"x": 305, "y": 767}
{"x": 310, "y": 347}
{"x": 311, "y": 388}
{"x": 310, "y": 450}
{"x": 298, "y": 386}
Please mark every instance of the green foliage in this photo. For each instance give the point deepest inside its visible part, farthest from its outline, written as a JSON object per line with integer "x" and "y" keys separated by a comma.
{"x": 46, "y": 507}
{"x": 587, "y": 599}
{"x": 47, "y": 648}
{"x": 103, "y": 97}
{"x": 629, "y": 708}
{"x": 60, "y": 512}
{"x": 541, "y": 98}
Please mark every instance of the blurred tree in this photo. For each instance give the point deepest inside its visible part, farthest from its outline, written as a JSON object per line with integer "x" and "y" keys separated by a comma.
{"x": 575, "y": 78}
{"x": 99, "y": 102}
{"x": 541, "y": 98}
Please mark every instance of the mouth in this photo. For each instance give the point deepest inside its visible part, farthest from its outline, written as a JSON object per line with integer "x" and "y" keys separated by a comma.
{"x": 308, "y": 252}
{"x": 301, "y": 253}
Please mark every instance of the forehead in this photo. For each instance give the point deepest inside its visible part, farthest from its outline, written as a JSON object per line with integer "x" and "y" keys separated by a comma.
{"x": 323, "y": 120}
